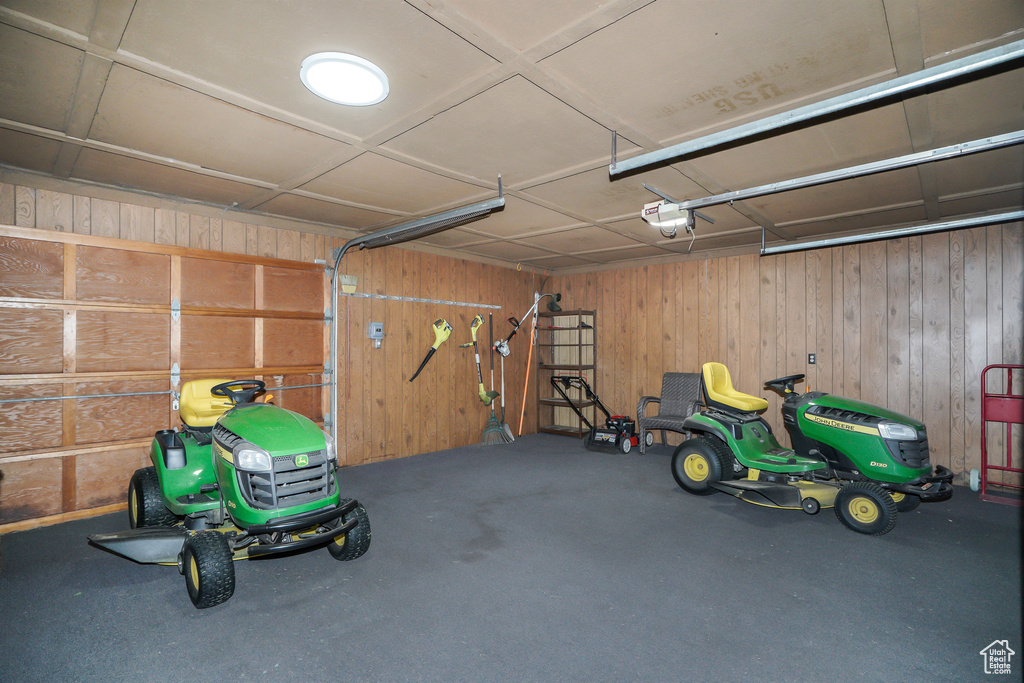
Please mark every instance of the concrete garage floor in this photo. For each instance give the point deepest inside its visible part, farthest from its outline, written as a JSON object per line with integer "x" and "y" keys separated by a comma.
{"x": 538, "y": 561}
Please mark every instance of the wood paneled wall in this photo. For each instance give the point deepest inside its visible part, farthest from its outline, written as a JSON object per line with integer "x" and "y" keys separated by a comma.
{"x": 382, "y": 414}
{"x": 113, "y": 267}
{"x": 907, "y": 323}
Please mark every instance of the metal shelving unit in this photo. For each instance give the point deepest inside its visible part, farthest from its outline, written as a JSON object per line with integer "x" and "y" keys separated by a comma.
{"x": 566, "y": 344}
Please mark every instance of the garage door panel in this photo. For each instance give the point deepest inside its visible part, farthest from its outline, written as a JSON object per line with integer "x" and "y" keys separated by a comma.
{"x": 31, "y": 341}
{"x": 305, "y": 401}
{"x": 217, "y": 342}
{"x": 112, "y": 341}
{"x": 29, "y": 425}
{"x": 293, "y": 342}
{"x": 124, "y": 276}
{"x": 31, "y": 268}
{"x": 102, "y": 478}
{"x": 217, "y": 284}
{"x": 30, "y": 489}
{"x": 120, "y": 418}
{"x": 288, "y": 289}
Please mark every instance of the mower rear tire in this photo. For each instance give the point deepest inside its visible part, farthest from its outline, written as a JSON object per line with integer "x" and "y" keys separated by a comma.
{"x": 357, "y": 541}
{"x": 866, "y": 508}
{"x": 145, "y": 504}
{"x": 648, "y": 438}
{"x": 208, "y": 568}
{"x": 625, "y": 444}
{"x": 699, "y": 462}
{"x": 905, "y": 502}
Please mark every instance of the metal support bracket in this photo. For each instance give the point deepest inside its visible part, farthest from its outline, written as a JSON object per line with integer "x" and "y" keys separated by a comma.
{"x": 175, "y": 309}
{"x": 175, "y": 375}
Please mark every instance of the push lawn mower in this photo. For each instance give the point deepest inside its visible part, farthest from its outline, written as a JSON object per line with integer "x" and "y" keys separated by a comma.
{"x": 619, "y": 431}
{"x": 241, "y": 480}
{"x": 865, "y": 461}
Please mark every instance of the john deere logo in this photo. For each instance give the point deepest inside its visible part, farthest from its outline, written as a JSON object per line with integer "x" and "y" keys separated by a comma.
{"x": 301, "y": 460}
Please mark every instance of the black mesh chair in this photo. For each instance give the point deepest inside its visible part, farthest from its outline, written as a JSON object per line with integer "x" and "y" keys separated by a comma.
{"x": 680, "y": 398}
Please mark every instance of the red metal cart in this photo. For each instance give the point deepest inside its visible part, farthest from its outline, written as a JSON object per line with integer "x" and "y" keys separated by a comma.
{"x": 1007, "y": 408}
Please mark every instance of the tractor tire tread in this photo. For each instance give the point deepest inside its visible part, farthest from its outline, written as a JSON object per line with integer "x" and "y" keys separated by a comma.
{"x": 886, "y": 506}
{"x": 706, "y": 447}
{"x": 357, "y": 541}
{"x": 215, "y": 567}
{"x": 150, "y": 510}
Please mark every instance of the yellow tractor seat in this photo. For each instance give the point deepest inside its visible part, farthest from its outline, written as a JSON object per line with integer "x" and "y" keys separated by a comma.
{"x": 719, "y": 393}
{"x": 198, "y": 407}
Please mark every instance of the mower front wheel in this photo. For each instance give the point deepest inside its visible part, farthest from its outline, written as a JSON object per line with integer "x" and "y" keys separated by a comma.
{"x": 357, "y": 541}
{"x": 145, "y": 504}
{"x": 699, "y": 462}
{"x": 207, "y": 565}
{"x": 866, "y": 508}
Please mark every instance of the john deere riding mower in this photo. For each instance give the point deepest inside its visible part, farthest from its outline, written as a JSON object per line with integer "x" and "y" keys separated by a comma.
{"x": 242, "y": 479}
{"x": 866, "y": 462}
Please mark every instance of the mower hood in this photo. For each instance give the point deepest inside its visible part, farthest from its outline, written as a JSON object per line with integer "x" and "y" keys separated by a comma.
{"x": 274, "y": 429}
{"x": 868, "y": 409}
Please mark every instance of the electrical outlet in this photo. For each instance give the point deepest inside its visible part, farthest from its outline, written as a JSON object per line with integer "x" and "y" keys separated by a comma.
{"x": 812, "y": 358}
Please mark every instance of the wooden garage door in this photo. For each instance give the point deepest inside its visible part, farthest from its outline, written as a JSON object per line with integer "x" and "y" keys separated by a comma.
{"x": 107, "y": 321}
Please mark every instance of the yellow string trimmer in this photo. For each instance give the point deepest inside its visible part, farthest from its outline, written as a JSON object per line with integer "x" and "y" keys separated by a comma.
{"x": 442, "y": 330}
{"x": 485, "y": 396}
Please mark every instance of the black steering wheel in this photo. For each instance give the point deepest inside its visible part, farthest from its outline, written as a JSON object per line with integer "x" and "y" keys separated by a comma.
{"x": 783, "y": 385}
{"x": 239, "y": 390}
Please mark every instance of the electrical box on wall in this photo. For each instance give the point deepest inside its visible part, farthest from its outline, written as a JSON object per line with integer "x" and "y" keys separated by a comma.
{"x": 375, "y": 331}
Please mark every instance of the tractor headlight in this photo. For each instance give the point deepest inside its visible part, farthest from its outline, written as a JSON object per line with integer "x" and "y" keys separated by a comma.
{"x": 249, "y": 457}
{"x": 897, "y": 431}
{"x": 332, "y": 450}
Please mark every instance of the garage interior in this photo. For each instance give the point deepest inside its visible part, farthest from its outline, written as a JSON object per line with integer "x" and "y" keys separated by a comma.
{"x": 173, "y": 200}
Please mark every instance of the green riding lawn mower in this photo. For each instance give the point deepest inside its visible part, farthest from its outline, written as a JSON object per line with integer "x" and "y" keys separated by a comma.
{"x": 242, "y": 479}
{"x": 866, "y": 462}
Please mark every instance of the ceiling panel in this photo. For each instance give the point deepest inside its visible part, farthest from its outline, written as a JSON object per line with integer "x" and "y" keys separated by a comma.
{"x": 515, "y": 129}
{"x": 949, "y": 26}
{"x": 868, "y": 136}
{"x": 741, "y": 239}
{"x": 979, "y": 108}
{"x": 147, "y": 114}
{"x": 375, "y": 180}
{"x": 201, "y": 101}
{"x": 975, "y": 173}
{"x": 37, "y": 78}
{"x": 857, "y": 195}
{"x": 627, "y": 254}
{"x": 134, "y": 174}
{"x": 673, "y": 68}
{"x": 553, "y": 262}
{"x": 987, "y": 202}
{"x": 519, "y": 218}
{"x": 581, "y": 240}
{"x": 75, "y": 16}
{"x": 319, "y": 211}
{"x": 594, "y": 193}
{"x": 29, "y": 151}
{"x": 507, "y": 251}
{"x": 256, "y": 47}
{"x": 523, "y": 29}
{"x": 867, "y": 221}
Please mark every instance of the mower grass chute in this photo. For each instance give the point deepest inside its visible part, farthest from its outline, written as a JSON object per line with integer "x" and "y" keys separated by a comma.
{"x": 243, "y": 479}
{"x": 866, "y": 462}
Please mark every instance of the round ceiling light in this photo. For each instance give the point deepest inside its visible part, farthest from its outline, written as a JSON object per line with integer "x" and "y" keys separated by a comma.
{"x": 345, "y": 79}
